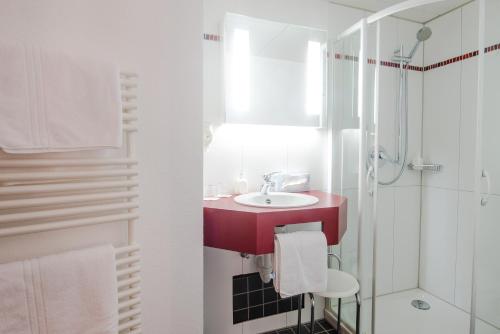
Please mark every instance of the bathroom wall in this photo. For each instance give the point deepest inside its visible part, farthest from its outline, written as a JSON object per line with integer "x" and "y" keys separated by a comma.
{"x": 161, "y": 40}
{"x": 255, "y": 150}
{"x": 448, "y": 138}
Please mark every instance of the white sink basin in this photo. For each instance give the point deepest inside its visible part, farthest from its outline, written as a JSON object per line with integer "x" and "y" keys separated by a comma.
{"x": 276, "y": 200}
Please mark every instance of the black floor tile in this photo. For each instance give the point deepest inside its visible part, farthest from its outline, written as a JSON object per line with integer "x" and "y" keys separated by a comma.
{"x": 325, "y": 324}
{"x": 286, "y": 331}
{"x": 320, "y": 327}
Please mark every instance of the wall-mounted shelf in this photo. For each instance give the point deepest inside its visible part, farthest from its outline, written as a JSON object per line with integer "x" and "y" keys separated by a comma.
{"x": 425, "y": 167}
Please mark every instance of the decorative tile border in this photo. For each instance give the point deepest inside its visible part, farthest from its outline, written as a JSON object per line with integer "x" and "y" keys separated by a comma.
{"x": 252, "y": 299}
{"x": 451, "y": 60}
{"x": 494, "y": 47}
{"x": 212, "y": 37}
{"x": 373, "y": 62}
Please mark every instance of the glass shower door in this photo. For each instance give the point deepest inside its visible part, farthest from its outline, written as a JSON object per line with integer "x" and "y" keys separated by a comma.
{"x": 486, "y": 305}
{"x": 352, "y": 134}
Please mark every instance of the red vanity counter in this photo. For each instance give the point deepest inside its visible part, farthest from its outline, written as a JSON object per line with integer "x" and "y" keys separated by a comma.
{"x": 232, "y": 226}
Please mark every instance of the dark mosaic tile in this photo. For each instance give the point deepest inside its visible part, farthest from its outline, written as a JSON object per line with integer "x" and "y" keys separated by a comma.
{"x": 270, "y": 309}
{"x": 270, "y": 295}
{"x": 240, "y": 316}
{"x": 256, "y": 298}
{"x": 285, "y": 305}
{"x": 254, "y": 282}
{"x": 255, "y": 312}
{"x": 240, "y": 301}
{"x": 295, "y": 302}
{"x": 240, "y": 285}
{"x": 269, "y": 285}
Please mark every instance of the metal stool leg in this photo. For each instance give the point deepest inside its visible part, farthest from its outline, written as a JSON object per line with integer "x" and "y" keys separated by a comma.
{"x": 299, "y": 311}
{"x": 358, "y": 309}
{"x": 311, "y": 296}
{"x": 339, "y": 325}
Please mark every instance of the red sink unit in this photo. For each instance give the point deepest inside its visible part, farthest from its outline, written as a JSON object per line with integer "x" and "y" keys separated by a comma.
{"x": 232, "y": 226}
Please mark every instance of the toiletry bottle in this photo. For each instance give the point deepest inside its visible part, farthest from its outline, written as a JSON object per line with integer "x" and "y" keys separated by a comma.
{"x": 241, "y": 186}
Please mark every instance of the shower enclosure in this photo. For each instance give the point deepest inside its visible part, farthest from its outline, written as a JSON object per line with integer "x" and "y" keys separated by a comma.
{"x": 414, "y": 119}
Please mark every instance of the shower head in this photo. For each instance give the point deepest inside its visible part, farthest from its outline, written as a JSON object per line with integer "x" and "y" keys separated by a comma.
{"x": 422, "y": 35}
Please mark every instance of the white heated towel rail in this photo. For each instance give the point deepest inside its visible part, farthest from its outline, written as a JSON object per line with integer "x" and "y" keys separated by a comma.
{"x": 41, "y": 193}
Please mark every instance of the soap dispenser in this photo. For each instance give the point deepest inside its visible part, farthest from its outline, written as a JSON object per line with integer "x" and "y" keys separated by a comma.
{"x": 241, "y": 186}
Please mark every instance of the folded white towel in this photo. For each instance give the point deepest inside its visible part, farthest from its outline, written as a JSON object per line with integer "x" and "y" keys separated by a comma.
{"x": 52, "y": 102}
{"x": 300, "y": 262}
{"x": 69, "y": 293}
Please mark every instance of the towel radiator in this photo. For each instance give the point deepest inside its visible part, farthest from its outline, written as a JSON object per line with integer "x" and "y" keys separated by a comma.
{"x": 47, "y": 192}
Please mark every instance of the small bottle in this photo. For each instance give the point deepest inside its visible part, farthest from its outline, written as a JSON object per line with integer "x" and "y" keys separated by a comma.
{"x": 241, "y": 186}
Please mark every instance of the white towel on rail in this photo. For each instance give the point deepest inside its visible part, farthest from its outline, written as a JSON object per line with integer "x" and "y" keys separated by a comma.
{"x": 53, "y": 102}
{"x": 68, "y": 293}
{"x": 300, "y": 262}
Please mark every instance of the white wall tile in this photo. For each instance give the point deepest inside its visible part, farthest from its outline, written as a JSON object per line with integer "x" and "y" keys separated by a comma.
{"x": 396, "y": 32}
{"x": 468, "y": 124}
{"x": 438, "y": 242}
{"x": 441, "y": 121}
{"x": 470, "y": 27}
{"x": 484, "y": 328}
{"x": 491, "y": 119}
{"x": 488, "y": 265}
{"x": 415, "y": 79}
{"x": 385, "y": 240}
{"x": 492, "y": 28}
{"x": 305, "y": 154}
{"x": 445, "y": 41}
{"x": 406, "y": 237}
{"x": 219, "y": 268}
{"x": 465, "y": 250}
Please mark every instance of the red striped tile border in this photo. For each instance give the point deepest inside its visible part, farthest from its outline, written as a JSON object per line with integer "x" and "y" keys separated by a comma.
{"x": 465, "y": 56}
{"x": 212, "y": 37}
{"x": 494, "y": 47}
{"x": 451, "y": 60}
{"x": 373, "y": 62}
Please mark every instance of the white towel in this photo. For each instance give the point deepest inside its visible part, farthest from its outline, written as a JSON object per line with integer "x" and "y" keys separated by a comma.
{"x": 69, "y": 293}
{"x": 52, "y": 102}
{"x": 300, "y": 262}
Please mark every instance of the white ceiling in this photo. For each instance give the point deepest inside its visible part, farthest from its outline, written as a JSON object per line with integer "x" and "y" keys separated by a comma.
{"x": 419, "y": 14}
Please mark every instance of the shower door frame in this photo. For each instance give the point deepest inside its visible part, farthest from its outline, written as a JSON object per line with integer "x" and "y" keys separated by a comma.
{"x": 367, "y": 183}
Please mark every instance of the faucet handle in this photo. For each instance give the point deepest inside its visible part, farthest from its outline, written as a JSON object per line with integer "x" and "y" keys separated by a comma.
{"x": 267, "y": 177}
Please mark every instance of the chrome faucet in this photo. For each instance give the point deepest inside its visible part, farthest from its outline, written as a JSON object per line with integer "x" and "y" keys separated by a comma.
{"x": 268, "y": 183}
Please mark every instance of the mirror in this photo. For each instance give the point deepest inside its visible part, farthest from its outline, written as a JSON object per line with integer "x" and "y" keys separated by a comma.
{"x": 274, "y": 72}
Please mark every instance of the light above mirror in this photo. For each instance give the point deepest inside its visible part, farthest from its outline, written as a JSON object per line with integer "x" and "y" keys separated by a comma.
{"x": 274, "y": 72}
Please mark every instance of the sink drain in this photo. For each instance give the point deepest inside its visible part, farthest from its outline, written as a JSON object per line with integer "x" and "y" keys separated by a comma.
{"x": 420, "y": 304}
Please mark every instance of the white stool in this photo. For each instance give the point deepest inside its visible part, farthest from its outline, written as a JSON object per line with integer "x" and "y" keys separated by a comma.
{"x": 340, "y": 285}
